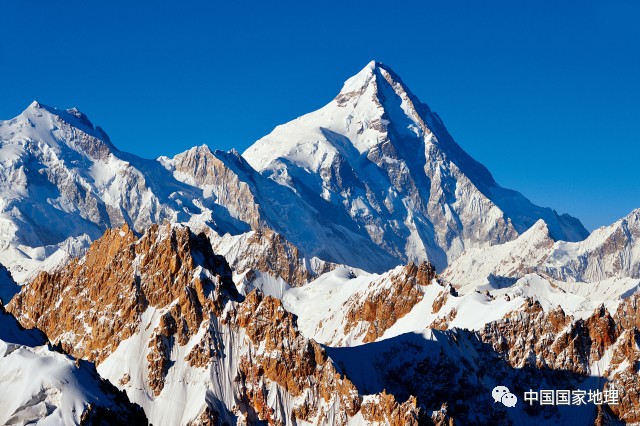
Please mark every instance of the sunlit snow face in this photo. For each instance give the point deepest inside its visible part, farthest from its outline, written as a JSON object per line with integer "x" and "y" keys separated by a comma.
{"x": 498, "y": 392}
{"x": 509, "y": 400}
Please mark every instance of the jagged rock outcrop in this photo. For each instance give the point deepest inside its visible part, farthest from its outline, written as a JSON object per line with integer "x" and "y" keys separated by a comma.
{"x": 382, "y": 308}
{"x": 603, "y": 344}
{"x": 96, "y": 302}
{"x": 160, "y": 309}
{"x": 202, "y": 168}
{"x": 267, "y": 251}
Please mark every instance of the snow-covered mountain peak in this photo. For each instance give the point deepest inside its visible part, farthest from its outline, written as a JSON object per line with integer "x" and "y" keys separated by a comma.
{"x": 201, "y": 150}
{"x": 539, "y": 230}
{"x": 606, "y": 263}
{"x": 627, "y": 226}
{"x": 57, "y": 165}
{"x": 378, "y": 96}
{"x": 72, "y": 116}
{"x": 610, "y": 251}
{"x": 57, "y": 129}
{"x": 374, "y": 73}
{"x": 384, "y": 158}
{"x": 34, "y": 105}
{"x": 632, "y": 219}
{"x": 362, "y": 78}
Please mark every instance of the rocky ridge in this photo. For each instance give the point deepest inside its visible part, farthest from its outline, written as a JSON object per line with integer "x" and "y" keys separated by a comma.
{"x": 167, "y": 294}
{"x": 267, "y": 251}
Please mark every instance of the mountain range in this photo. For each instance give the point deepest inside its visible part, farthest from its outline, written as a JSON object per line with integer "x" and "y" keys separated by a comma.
{"x": 355, "y": 266}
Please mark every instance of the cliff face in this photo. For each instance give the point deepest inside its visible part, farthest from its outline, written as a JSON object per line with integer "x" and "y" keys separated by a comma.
{"x": 267, "y": 251}
{"x": 377, "y": 311}
{"x": 96, "y": 302}
{"x": 605, "y": 345}
{"x": 166, "y": 301}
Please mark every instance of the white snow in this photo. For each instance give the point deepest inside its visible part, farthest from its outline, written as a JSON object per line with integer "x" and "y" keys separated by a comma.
{"x": 376, "y": 145}
{"x": 42, "y": 386}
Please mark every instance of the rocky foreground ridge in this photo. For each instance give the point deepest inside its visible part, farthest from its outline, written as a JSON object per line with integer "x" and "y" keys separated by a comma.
{"x": 161, "y": 317}
{"x": 168, "y": 291}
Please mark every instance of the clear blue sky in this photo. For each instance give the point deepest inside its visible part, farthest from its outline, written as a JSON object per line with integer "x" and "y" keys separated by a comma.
{"x": 545, "y": 93}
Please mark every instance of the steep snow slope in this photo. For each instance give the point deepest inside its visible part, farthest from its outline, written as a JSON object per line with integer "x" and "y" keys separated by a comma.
{"x": 388, "y": 162}
{"x": 610, "y": 251}
{"x": 47, "y": 387}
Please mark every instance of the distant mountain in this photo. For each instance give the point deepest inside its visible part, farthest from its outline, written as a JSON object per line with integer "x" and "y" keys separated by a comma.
{"x": 63, "y": 183}
{"x": 611, "y": 254}
{"x": 257, "y": 202}
{"x": 377, "y": 159}
{"x": 371, "y": 180}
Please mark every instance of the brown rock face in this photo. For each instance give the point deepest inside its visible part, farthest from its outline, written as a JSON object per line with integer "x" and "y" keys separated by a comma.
{"x": 302, "y": 368}
{"x": 628, "y": 313}
{"x": 268, "y": 251}
{"x": 386, "y": 410}
{"x": 159, "y": 357}
{"x": 207, "y": 418}
{"x": 297, "y": 364}
{"x": 442, "y": 323}
{"x": 206, "y": 349}
{"x": 381, "y": 309}
{"x": 276, "y": 331}
{"x": 531, "y": 334}
{"x": 439, "y": 302}
{"x": 204, "y": 169}
{"x": 423, "y": 273}
{"x": 553, "y": 340}
{"x": 625, "y": 364}
{"x": 96, "y": 302}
